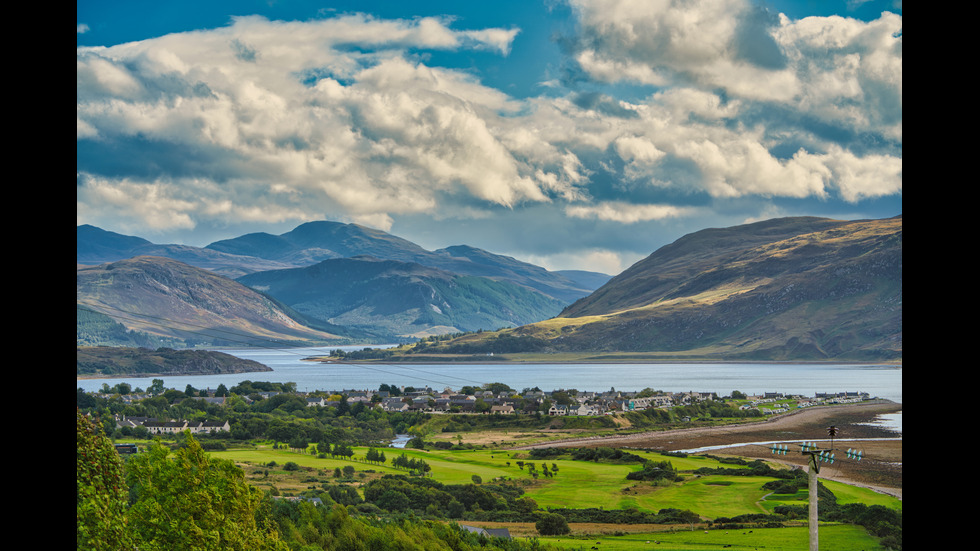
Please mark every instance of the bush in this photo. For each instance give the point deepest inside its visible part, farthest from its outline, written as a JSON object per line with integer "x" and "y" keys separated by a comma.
{"x": 551, "y": 524}
{"x": 290, "y": 466}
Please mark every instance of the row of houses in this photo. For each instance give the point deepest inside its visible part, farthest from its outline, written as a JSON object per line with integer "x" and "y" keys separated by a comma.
{"x": 156, "y": 426}
{"x": 511, "y": 402}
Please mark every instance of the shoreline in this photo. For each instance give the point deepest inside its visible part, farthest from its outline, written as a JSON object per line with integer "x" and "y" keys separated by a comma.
{"x": 896, "y": 364}
{"x": 891, "y": 365}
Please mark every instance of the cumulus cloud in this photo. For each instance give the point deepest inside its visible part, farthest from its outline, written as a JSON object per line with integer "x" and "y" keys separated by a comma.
{"x": 835, "y": 68}
{"x": 343, "y": 118}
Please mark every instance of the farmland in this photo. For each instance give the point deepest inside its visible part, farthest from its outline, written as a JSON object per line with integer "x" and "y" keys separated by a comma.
{"x": 577, "y": 484}
{"x": 585, "y": 486}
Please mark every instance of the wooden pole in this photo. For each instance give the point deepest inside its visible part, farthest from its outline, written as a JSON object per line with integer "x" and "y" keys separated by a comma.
{"x": 814, "y": 470}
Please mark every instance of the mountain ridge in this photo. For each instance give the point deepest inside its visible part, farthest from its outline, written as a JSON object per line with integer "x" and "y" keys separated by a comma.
{"x": 168, "y": 298}
{"x": 782, "y": 290}
{"x": 314, "y": 242}
{"x": 404, "y": 298}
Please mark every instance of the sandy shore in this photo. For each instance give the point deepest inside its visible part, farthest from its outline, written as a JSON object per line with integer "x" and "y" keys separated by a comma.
{"x": 881, "y": 469}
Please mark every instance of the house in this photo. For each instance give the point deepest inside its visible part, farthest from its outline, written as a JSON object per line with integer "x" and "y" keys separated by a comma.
{"x": 584, "y": 409}
{"x": 506, "y": 409}
{"x": 166, "y": 427}
{"x": 488, "y": 532}
{"x": 558, "y": 410}
{"x": 394, "y": 404}
{"x": 211, "y": 426}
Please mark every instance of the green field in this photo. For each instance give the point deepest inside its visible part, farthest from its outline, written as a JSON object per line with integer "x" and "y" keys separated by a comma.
{"x": 839, "y": 537}
{"x": 585, "y": 484}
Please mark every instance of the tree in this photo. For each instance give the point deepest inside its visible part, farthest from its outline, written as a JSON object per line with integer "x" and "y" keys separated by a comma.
{"x": 551, "y": 524}
{"x": 101, "y": 494}
{"x": 191, "y": 501}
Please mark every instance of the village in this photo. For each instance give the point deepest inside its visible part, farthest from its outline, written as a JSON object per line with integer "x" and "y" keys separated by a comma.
{"x": 497, "y": 402}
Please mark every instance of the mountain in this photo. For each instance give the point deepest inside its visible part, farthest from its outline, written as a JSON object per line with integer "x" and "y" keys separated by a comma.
{"x": 786, "y": 289}
{"x": 167, "y": 298}
{"x": 95, "y": 246}
{"x": 314, "y": 242}
{"x": 405, "y": 299}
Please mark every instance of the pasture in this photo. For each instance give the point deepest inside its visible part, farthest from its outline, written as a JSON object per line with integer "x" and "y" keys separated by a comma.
{"x": 575, "y": 484}
{"x": 839, "y": 537}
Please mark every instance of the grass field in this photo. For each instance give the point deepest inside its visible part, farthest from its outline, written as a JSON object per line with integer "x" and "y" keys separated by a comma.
{"x": 577, "y": 484}
{"x": 839, "y": 537}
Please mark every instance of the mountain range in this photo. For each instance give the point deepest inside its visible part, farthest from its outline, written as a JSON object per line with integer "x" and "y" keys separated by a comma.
{"x": 341, "y": 282}
{"x": 787, "y": 289}
{"x": 784, "y": 289}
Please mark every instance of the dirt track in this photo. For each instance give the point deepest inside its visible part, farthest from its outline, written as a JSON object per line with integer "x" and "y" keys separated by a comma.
{"x": 881, "y": 468}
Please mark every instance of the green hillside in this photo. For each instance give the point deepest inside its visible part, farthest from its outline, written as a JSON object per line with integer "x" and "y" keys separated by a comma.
{"x": 404, "y": 299}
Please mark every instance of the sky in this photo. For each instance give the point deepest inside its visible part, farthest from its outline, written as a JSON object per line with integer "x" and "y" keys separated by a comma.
{"x": 573, "y": 134}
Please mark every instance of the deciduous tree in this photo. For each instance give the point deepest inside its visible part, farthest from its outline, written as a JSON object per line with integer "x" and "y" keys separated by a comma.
{"x": 101, "y": 493}
{"x": 187, "y": 500}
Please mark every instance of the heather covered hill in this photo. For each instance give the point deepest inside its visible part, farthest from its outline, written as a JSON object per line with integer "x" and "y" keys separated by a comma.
{"x": 786, "y": 289}
{"x": 164, "y": 297}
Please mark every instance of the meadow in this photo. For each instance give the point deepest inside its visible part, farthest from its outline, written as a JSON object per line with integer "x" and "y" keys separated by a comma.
{"x": 840, "y": 537}
{"x": 575, "y": 484}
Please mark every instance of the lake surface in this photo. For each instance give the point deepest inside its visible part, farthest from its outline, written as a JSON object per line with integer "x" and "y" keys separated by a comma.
{"x": 751, "y": 378}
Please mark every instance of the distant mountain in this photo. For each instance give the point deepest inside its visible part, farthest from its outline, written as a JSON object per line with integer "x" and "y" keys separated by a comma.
{"x": 785, "y": 289}
{"x": 169, "y": 299}
{"x": 314, "y": 242}
{"x": 405, "y": 299}
{"x": 97, "y": 246}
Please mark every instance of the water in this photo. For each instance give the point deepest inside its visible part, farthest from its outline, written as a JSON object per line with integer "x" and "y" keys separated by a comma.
{"x": 750, "y": 378}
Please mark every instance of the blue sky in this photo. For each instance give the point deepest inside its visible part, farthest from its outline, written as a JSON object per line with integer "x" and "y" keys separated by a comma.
{"x": 575, "y": 134}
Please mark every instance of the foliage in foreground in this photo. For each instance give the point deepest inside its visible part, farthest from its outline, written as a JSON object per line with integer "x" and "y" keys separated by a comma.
{"x": 100, "y": 510}
{"x": 184, "y": 499}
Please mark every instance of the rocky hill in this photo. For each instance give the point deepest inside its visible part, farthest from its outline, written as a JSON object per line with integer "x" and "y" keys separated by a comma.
{"x": 167, "y": 298}
{"x": 785, "y": 289}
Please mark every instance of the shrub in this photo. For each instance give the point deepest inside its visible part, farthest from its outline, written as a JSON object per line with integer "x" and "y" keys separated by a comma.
{"x": 551, "y": 524}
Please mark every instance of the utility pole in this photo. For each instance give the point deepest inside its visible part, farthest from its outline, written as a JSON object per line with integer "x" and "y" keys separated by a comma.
{"x": 816, "y": 456}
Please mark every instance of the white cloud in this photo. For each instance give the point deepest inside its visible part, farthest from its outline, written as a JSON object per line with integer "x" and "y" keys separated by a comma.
{"x": 836, "y": 68}
{"x": 337, "y": 118}
{"x": 625, "y": 213}
{"x": 594, "y": 260}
